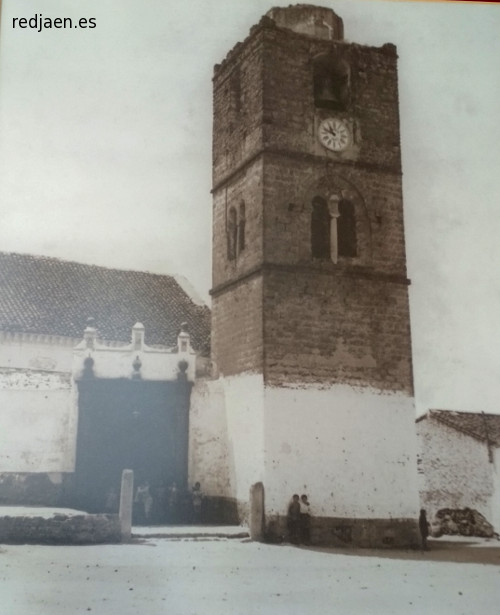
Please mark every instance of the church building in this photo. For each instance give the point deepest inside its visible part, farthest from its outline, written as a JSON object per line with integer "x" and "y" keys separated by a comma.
{"x": 309, "y": 389}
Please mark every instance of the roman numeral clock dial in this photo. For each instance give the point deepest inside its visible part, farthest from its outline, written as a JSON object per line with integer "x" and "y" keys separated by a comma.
{"x": 334, "y": 134}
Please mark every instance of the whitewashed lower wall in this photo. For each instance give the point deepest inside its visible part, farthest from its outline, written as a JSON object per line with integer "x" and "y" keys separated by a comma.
{"x": 495, "y": 500}
{"x": 227, "y": 435}
{"x": 244, "y": 396}
{"x": 353, "y": 451}
{"x": 456, "y": 469}
{"x": 38, "y": 422}
{"x": 210, "y": 461}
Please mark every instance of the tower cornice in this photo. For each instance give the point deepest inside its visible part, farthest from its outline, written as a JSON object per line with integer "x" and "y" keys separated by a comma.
{"x": 306, "y": 157}
{"x": 367, "y": 273}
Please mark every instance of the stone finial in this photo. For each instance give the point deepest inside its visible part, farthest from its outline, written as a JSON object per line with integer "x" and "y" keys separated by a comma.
{"x": 88, "y": 367}
{"x": 183, "y": 367}
{"x": 184, "y": 339}
{"x": 90, "y": 334}
{"x": 136, "y": 365}
{"x": 316, "y": 21}
{"x": 138, "y": 332}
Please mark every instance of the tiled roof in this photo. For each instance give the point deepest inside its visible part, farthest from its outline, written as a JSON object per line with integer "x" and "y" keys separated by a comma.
{"x": 53, "y": 297}
{"x": 476, "y": 424}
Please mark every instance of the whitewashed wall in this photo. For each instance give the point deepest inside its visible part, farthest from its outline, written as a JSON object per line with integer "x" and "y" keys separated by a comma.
{"x": 38, "y": 415}
{"x": 244, "y": 397}
{"x": 227, "y": 435}
{"x": 210, "y": 459}
{"x": 456, "y": 469}
{"x": 38, "y": 397}
{"x": 37, "y": 352}
{"x": 495, "y": 500}
{"x": 353, "y": 451}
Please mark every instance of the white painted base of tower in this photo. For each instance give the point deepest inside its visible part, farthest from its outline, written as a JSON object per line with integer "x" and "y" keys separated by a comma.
{"x": 352, "y": 450}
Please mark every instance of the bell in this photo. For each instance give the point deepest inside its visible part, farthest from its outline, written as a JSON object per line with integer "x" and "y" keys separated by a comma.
{"x": 327, "y": 93}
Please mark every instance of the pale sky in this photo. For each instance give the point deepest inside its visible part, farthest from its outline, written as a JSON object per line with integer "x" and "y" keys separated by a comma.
{"x": 105, "y": 154}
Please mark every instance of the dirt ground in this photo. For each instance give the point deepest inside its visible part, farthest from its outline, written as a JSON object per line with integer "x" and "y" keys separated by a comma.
{"x": 208, "y": 575}
{"x": 447, "y": 549}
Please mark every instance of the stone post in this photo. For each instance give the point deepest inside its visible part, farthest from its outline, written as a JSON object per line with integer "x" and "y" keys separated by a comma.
{"x": 256, "y": 518}
{"x": 126, "y": 503}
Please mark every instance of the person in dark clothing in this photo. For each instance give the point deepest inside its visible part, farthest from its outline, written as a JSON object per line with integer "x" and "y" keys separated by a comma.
{"x": 173, "y": 503}
{"x": 423, "y": 525}
{"x": 293, "y": 520}
{"x": 197, "y": 500}
{"x": 305, "y": 520}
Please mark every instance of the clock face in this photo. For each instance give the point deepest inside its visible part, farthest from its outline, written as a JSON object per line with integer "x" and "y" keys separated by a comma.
{"x": 334, "y": 134}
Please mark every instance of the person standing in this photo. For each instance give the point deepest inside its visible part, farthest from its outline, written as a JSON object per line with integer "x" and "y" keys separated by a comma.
{"x": 305, "y": 519}
{"x": 173, "y": 503}
{"x": 197, "y": 499}
{"x": 143, "y": 502}
{"x": 112, "y": 501}
{"x": 423, "y": 525}
{"x": 293, "y": 520}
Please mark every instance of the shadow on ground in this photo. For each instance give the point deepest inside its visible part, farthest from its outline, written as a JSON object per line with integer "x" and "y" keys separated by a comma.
{"x": 469, "y": 552}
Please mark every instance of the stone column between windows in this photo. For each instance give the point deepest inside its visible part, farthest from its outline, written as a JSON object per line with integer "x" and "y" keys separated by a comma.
{"x": 333, "y": 208}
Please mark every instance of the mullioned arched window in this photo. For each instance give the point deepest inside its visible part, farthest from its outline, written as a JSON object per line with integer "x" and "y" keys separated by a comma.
{"x": 333, "y": 228}
{"x": 346, "y": 229}
{"x": 320, "y": 228}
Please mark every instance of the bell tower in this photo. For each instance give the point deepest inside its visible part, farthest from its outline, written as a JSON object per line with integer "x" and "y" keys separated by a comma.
{"x": 311, "y": 329}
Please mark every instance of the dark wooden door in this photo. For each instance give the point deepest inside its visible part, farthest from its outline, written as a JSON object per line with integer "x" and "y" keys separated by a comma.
{"x": 128, "y": 424}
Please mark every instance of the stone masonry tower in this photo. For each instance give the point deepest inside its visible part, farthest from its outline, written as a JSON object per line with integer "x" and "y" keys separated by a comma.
{"x": 311, "y": 330}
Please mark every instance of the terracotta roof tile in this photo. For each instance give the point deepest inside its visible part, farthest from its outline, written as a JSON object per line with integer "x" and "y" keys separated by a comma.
{"x": 477, "y": 424}
{"x": 53, "y": 297}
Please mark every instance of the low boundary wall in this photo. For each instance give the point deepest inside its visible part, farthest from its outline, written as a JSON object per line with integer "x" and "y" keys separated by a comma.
{"x": 60, "y": 530}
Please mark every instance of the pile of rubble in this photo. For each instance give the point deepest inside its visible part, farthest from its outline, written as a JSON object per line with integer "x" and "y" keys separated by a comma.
{"x": 462, "y": 521}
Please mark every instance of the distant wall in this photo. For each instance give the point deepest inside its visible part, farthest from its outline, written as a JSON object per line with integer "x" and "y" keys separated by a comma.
{"x": 495, "y": 502}
{"x": 38, "y": 413}
{"x": 455, "y": 468}
{"x": 38, "y": 418}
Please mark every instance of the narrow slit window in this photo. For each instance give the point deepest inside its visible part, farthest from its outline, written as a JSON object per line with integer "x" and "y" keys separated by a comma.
{"x": 232, "y": 232}
{"x": 241, "y": 228}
